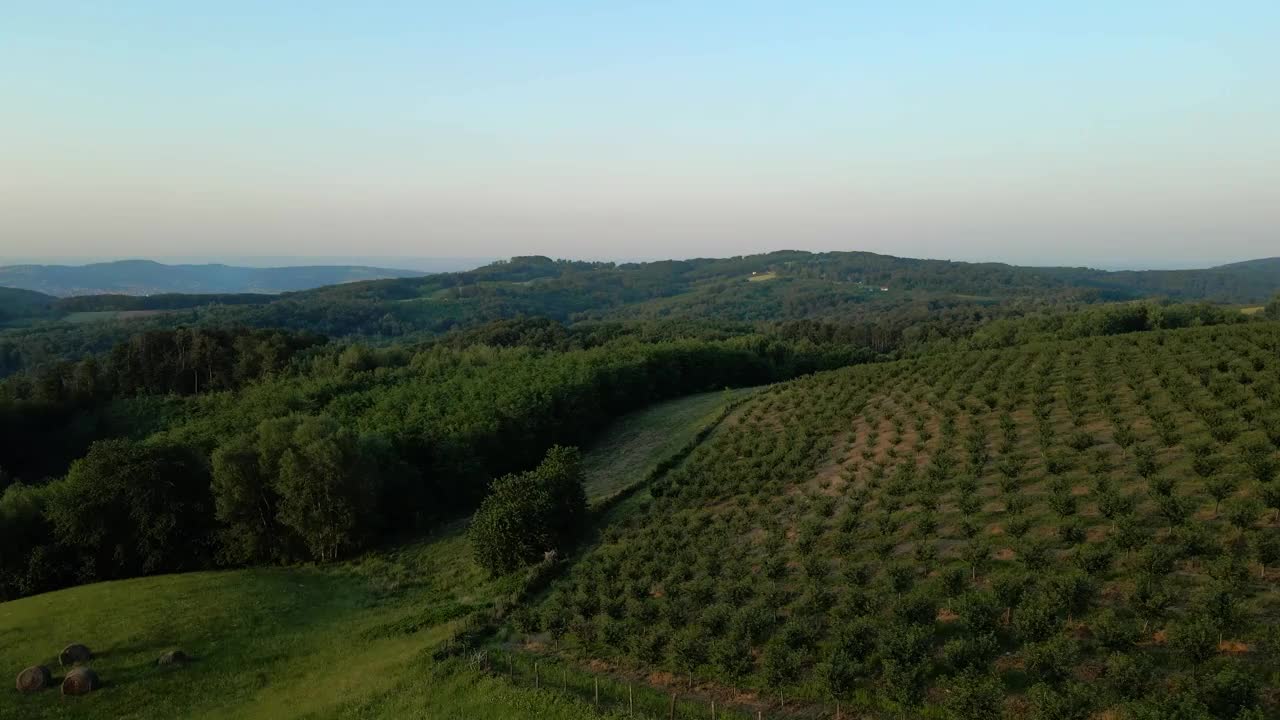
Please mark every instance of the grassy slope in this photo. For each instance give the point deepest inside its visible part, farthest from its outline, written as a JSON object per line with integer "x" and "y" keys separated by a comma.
{"x": 349, "y": 640}
{"x": 638, "y": 441}
{"x": 268, "y": 642}
{"x": 87, "y": 316}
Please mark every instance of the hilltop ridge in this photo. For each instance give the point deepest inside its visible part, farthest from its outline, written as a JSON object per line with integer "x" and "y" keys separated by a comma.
{"x": 147, "y": 277}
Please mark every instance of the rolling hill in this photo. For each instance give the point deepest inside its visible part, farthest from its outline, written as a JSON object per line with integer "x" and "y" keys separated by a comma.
{"x": 846, "y": 287}
{"x": 144, "y": 277}
{"x": 1074, "y": 529}
{"x": 1086, "y": 525}
{"x": 885, "y": 303}
{"x": 18, "y": 304}
{"x": 1077, "y": 522}
{"x": 348, "y": 640}
{"x": 1260, "y": 265}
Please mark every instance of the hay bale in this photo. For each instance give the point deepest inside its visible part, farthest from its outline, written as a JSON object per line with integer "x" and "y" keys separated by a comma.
{"x": 80, "y": 681}
{"x": 75, "y": 654}
{"x": 34, "y": 679}
{"x": 173, "y": 657}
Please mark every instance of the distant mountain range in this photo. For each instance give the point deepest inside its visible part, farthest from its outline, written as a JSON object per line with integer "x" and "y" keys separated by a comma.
{"x": 1268, "y": 265}
{"x": 145, "y": 277}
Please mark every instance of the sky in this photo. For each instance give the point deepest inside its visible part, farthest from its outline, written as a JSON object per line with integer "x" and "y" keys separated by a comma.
{"x": 1135, "y": 133}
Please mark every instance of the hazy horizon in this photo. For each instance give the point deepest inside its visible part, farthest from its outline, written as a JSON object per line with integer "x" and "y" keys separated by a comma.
{"x": 1099, "y": 134}
{"x": 444, "y": 264}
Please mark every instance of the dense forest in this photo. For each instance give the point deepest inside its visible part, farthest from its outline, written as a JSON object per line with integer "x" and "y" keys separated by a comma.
{"x": 225, "y": 438}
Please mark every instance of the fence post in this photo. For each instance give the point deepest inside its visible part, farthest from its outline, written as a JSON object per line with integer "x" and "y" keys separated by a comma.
{"x": 630, "y": 703}
{"x": 535, "y": 673}
{"x": 597, "y": 681}
{"x": 713, "y": 710}
{"x": 672, "y": 713}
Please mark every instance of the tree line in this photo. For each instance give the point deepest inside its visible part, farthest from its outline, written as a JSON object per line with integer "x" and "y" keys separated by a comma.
{"x": 350, "y": 447}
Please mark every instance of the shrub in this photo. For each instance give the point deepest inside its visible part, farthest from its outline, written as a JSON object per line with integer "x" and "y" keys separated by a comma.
{"x": 1231, "y": 691}
{"x": 1037, "y": 618}
{"x": 1080, "y": 441}
{"x": 1196, "y": 640}
{"x": 1243, "y": 513}
{"x": 1074, "y": 701}
{"x": 974, "y": 695}
{"x": 781, "y": 664}
{"x": 527, "y": 514}
{"x": 970, "y": 652}
{"x": 980, "y": 612}
{"x": 1053, "y": 659}
{"x": 1072, "y": 531}
{"x": 1115, "y": 631}
{"x": 1127, "y": 675}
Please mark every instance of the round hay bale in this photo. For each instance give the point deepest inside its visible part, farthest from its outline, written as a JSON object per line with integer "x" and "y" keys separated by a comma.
{"x": 80, "y": 681}
{"x": 75, "y": 654}
{"x": 34, "y": 679}
{"x": 173, "y": 657}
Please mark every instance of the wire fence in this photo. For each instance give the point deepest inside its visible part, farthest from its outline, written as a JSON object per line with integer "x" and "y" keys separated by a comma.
{"x": 610, "y": 695}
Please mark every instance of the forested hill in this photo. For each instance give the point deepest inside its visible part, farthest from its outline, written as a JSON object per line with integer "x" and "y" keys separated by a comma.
{"x": 1259, "y": 265}
{"x": 851, "y": 287}
{"x": 144, "y": 277}
{"x": 16, "y": 303}
{"x": 785, "y": 285}
{"x": 1240, "y": 282}
{"x": 882, "y": 302}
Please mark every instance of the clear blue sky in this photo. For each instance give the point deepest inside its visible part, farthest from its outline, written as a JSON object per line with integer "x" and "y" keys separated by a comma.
{"x": 1089, "y": 132}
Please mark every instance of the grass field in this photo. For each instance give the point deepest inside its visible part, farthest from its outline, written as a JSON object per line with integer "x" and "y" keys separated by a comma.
{"x": 348, "y": 640}
{"x": 267, "y": 642}
{"x": 638, "y": 441}
{"x": 99, "y": 315}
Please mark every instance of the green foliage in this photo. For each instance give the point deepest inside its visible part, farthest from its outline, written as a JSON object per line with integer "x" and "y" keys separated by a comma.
{"x": 1052, "y": 661}
{"x": 820, "y": 496}
{"x": 1195, "y": 639}
{"x": 50, "y": 415}
{"x": 377, "y": 617}
{"x": 528, "y": 514}
{"x": 1116, "y": 631}
{"x": 970, "y": 652}
{"x": 1175, "y": 706}
{"x": 327, "y": 487}
{"x": 1127, "y": 675}
{"x": 1231, "y": 692}
{"x": 878, "y": 530}
{"x": 298, "y": 487}
{"x": 975, "y": 696}
{"x": 132, "y": 509}
{"x": 1272, "y": 309}
{"x": 427, "y": 429}
{"x": 1073, "y": 701}
{"x": 26, "y": 534}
